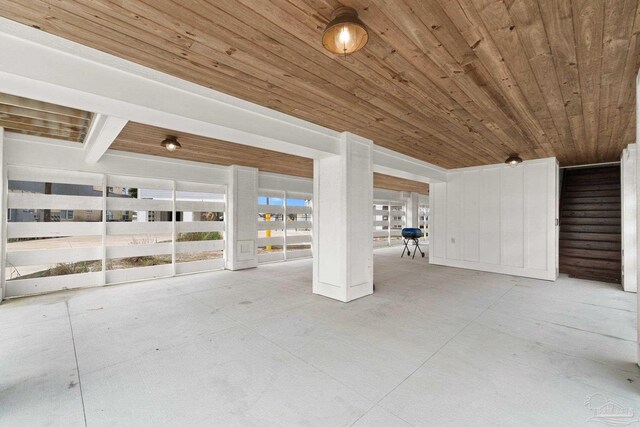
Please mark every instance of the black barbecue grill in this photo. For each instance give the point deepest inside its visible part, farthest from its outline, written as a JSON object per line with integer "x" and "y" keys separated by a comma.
{"x": 411, "y": 235}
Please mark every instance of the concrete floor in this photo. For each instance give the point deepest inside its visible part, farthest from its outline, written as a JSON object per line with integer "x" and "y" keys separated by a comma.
{"x": 433, "y": 346}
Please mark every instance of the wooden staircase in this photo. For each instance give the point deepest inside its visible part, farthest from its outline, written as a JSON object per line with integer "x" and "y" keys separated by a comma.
{"x": 590, "y": 224}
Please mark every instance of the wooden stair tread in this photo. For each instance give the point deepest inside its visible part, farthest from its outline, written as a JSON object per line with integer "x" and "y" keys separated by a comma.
{"x": 590, "y": 224}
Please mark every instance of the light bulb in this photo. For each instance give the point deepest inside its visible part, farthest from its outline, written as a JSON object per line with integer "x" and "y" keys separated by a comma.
{"x": 344, "y": 36}
{"x": 171, "y": 146}
{"x": 346, "y": 39}
{"x": 345, "y": 33}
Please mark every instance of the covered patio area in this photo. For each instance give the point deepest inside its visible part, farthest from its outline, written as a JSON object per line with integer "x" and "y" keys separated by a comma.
{"x": 256, "y": 347}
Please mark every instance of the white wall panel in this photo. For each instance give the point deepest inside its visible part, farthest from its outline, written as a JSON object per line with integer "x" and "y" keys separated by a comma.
{"x": 437, "y": 245}
{"x": 454, "y": 215}
{"x": 512, "y": 216}
{"x": 489, "y": 216}
{"x": 536, "y": 177}
{"x": 470, "y": 224}
{"x": 497, "y": 218}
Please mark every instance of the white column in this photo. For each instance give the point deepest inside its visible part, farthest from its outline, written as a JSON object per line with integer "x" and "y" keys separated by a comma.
{"x": 342, "y": 223}
{"x": 637, "y": 213}
{"x": 637, "y": 210}
{"x": 413, "y": 216}
{"x": 242, "y": 218}
{"x": 3, "y": 216}
{"x": 629, "y": 204}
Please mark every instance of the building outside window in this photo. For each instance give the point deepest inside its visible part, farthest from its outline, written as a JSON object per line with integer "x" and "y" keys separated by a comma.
{"x": 66, "y": 215}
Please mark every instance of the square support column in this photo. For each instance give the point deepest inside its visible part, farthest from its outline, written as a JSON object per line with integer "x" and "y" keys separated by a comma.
{"x": 413, "y": 215}
{"x": 241, "y": 249}
{"x": 629, "y": 217}
{"x": 343, "y": 221}
{"x": 4, "y": 189}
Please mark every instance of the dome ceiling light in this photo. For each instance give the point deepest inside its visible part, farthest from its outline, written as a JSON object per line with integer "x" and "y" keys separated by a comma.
{"x": 345, "y": 33}
{"x": 513, "y": 160}
{"x": 171, "y": 143}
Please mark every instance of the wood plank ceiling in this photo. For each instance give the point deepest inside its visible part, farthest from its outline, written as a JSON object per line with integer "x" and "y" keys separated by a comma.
{"x": 27, "y": 116}
{"x": 452, "y": 82}
{"x": 139, "y": 138}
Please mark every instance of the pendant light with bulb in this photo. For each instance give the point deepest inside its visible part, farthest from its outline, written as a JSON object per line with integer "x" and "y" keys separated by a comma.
{"x": 345, "y": 33}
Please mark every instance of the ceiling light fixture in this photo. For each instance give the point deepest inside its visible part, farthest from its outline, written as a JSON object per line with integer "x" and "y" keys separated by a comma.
{"x": 345, "y": 33}
{"x": 171, "y": 143}
{"x": 513, "y": 160}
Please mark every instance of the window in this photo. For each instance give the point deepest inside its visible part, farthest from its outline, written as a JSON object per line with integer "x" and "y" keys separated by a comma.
{"x": 299, "y": 212}
{"x": 40, "y": 246}
{"x": 388, "y": 221}
{"x": 271, "y": 226}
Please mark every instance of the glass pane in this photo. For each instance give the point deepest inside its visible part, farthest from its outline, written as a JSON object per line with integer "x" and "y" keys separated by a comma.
{"x": 207, "y": 218}
{"x": 30, "y": 203}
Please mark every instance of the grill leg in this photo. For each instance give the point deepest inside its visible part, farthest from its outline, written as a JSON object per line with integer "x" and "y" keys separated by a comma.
{"x": 406, "y": 248}
{"x": 418, "y": 248}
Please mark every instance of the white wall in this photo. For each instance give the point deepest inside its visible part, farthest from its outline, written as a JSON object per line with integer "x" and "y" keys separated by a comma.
{"x": 497, "y": 218}
{"x": 629, "y": 211}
